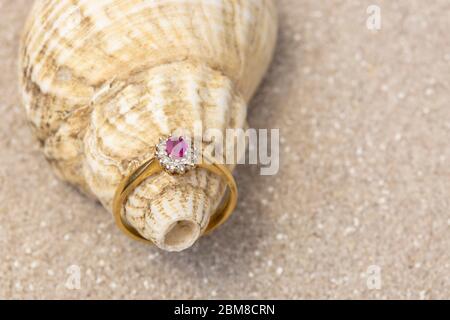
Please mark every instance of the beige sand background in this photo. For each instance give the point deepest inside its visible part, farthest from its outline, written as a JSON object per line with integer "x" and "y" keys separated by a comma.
{"x": 365, "y": 121}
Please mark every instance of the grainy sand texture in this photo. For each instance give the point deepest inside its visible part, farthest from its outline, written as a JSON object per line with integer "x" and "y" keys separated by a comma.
{"x": 359, "y": 209}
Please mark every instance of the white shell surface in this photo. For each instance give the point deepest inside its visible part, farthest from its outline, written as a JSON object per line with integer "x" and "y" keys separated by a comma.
{"x": 103, "y": 80}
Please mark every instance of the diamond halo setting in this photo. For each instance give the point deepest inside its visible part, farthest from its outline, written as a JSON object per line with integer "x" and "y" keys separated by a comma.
{"x": 176, "y": 154}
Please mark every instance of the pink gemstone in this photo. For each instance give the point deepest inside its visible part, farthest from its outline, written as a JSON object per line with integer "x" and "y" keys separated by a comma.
{"x": 176, "y": 147}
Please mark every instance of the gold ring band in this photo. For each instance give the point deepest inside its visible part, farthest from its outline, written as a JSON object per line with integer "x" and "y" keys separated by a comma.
{"x": 152, "y": 167}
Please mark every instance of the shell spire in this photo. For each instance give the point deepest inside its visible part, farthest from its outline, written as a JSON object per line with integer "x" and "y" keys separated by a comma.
{"x": 104, "y": 80}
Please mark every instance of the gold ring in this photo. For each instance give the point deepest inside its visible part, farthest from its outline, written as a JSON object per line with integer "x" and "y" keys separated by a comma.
{"x": 176, "y": 156}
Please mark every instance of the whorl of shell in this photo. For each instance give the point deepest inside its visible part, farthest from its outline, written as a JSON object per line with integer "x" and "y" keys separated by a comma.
{"x": 103, "y": 80}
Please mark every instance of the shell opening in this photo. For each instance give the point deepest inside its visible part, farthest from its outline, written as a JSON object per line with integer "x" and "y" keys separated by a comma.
{"x": 181, "y": 235}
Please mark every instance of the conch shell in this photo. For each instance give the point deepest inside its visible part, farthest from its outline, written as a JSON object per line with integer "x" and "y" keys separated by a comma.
{"x": 103, "y": 80}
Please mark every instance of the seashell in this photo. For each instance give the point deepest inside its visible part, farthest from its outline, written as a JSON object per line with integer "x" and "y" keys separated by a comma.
{"x": 103, "y": 80}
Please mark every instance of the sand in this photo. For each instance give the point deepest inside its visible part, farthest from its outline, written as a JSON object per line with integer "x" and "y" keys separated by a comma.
{"x": 359, "y": 209}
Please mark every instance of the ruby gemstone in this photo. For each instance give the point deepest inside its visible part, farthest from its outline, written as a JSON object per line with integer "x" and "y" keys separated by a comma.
{"x": 177, "y": 147}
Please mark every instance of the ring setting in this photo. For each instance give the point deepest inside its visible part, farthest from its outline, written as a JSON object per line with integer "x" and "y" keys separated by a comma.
{"x": 175, "y": 155}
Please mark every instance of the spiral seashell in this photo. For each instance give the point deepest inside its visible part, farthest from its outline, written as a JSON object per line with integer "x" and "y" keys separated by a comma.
{"x": 103, "y": 80}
